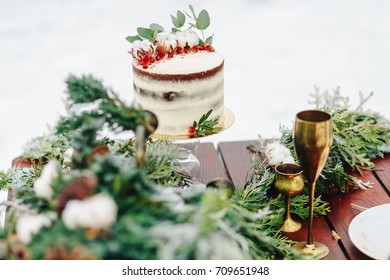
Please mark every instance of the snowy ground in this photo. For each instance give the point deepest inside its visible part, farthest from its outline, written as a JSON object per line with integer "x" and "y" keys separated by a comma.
{"x": 275, "y": 52}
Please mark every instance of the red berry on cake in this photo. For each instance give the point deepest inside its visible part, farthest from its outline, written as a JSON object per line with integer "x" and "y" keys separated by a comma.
{"x": 209, "y": 48}
{"x": 191, "y": 130}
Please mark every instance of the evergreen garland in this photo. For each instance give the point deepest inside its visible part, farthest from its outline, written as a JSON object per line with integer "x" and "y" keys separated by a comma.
{"x": 153, "y": 220}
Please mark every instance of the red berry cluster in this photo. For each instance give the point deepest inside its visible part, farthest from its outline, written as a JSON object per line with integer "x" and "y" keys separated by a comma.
{"x": 148, "y": 59}
{"x": 191, "y": 130}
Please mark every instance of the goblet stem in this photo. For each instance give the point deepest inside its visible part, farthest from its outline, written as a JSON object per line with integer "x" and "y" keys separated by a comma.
{"x": 288, "y": 203}
{"x": 311, "y": 213}
{"x": 289, "y": 225}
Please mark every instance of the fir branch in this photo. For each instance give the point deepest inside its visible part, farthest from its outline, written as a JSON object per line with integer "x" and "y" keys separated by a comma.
{"x": 91, "y": 89}
{"x": 114, "y": 112}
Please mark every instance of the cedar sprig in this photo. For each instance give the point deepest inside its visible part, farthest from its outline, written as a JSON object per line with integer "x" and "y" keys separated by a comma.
{"x": 259, "y": 193}
{"x": 358, "y": 135}
{"x": 204, "y": 126}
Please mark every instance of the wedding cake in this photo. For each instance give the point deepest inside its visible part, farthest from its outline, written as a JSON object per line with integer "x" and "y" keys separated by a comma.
{"x": 178, "y": 77}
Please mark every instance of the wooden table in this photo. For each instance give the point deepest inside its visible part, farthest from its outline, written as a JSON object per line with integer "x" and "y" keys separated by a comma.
{"x": 232, "y": 160}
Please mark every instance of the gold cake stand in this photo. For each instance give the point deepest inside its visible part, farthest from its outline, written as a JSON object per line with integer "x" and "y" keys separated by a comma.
{"x": 187, "y": 163}
{"x": 228, "y": 121}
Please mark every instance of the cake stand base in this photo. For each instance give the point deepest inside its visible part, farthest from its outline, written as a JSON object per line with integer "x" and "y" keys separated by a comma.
{"x": 186, "y": 162}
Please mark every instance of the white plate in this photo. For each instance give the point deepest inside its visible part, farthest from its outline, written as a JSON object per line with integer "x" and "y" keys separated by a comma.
{"x": 370, "y": 232}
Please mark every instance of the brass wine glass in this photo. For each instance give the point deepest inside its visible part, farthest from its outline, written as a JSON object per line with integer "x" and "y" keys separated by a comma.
{"x": 289, "y": 182}
{"x": 312, "y": 141}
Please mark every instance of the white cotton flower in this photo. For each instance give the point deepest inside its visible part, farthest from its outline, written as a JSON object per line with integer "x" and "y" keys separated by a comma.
{"x": 68, "y": 154}
{"x": 98, "y": 212}
{"x": 139, "y": 47}
{"x": 42, "y": 185}
{"x": 288, "y": 159}
{"x": 181, "y": 39}
{"x": 192, "y": 38}
{"x": 187, "y": 38}
{"x": 276, "y": 153}
{"x": 275, "y": 159}
{"x": 135, "y": 48}
{"x": 166, "y": 40}
{"x": 148, "y": 46}
{"x": 29, "y": 224}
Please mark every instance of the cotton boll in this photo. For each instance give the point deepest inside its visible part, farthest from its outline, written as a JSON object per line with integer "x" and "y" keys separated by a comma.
{"x": 68, "y": 154}
{"x": 288, "y": 159}
{"x": 42, "y": 185}
{"x": 181, "y": 39}
{"x": 275, "y": 159}
{"x": 187, "y": 38}
{"x": 276, "y": 153}
{"x": 28, "y": 224}
{"x": 141, "y": 47}
{"x": 98, "y": 211}
{"x": 284, "y": 150}
{"x": 148, "y": 46}
{"x": 191, "y": 37}
{"x": 136, "y": 48}
{"x": 167, "y": 41}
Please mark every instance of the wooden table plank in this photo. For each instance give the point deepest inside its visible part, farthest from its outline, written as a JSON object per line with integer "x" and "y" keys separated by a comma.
{"x": 342, "y": 214}
{"x": 382, "y": 170}
{"x": 321, "y": 233}
{"x": 210, "y": 165}
{"x": 237, "y": 159}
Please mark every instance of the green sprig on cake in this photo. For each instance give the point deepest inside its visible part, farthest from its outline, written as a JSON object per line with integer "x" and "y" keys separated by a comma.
{"x": 154, "y": 43}
{"x": 204, "y": 126}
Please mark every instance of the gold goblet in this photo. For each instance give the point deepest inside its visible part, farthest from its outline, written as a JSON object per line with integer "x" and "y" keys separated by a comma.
{"x": 289, "y": 182}
{"x": 312, "y": 141}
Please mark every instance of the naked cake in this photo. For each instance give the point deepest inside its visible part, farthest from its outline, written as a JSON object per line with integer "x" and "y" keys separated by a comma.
{"x": 179, "y": 77}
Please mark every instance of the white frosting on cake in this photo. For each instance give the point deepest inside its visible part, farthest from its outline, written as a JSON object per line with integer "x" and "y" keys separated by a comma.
{"x": 179, "y": 90}
{"x": 186, "y": 63}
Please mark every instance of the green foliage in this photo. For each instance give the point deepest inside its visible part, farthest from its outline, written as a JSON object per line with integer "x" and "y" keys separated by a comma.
{"x": 358, "y": 136}
{"x": 147, "y": 33}
{"x": 179, "y": 20}
{"x": 91, "y": 88}
{"x": 204, "y": 126}
{"x": 97, "y": 103}
{"x": 201, "y": 22}
{"x": 153, "y": 221}
{"x": 131, "y": 39}
{"x": 259, "y": 193}
{"x": 15, "y": 178}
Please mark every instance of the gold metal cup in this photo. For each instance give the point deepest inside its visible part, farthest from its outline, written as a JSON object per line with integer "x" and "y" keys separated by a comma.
{"x": 312, "y": 141}
{"x": 290, "y": 183}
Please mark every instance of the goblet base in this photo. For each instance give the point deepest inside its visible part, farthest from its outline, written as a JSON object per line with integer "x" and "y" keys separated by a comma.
{"x": 316, "y": 250}
{"x": 290, "y": 225}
